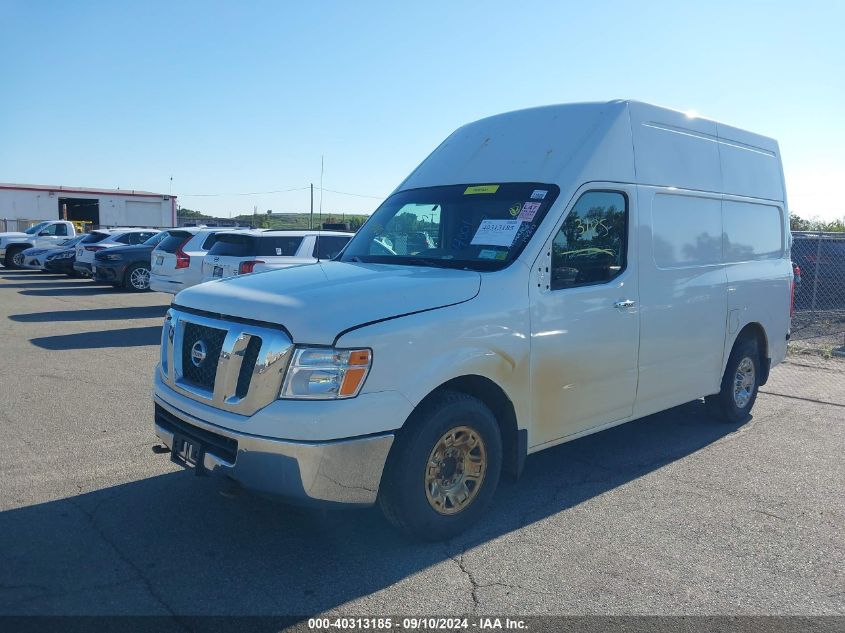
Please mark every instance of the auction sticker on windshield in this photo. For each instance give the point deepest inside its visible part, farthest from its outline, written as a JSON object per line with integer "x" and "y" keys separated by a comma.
{"x": 529, "y": 210}
{"x": 481, "y": 189}
{"x": 496, "y": 232}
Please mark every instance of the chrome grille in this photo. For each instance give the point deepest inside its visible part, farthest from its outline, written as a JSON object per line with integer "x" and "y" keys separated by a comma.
{"x": 202, "y": 374}
{"x": 243, "y": 367}
{"x": 247, "y": 367}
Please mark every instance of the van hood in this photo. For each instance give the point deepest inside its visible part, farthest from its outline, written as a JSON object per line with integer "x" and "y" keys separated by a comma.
{"x": 316, "y": 302}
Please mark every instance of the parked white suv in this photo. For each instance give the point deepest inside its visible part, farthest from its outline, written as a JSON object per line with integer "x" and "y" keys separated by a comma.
{"x": 177, "y": 261}
{"x": 107, "y": 238}
{"x": 255, "y": 251}
{"x": 591, "y": 264}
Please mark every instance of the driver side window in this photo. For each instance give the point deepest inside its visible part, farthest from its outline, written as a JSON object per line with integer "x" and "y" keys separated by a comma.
{"x": 591, "y": 246}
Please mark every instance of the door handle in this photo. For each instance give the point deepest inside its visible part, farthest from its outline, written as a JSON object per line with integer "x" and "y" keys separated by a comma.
{"x": 627, "y": 303}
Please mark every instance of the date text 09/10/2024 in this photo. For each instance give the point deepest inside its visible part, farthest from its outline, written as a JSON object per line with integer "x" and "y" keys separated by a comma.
{"x": 418, "y": 623}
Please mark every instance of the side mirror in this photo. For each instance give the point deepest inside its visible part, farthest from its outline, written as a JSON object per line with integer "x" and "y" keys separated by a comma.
{"x": 44, "y": 232}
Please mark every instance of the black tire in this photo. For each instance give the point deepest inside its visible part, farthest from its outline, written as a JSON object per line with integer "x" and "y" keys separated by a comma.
{"x": 727, "y": 405}
{"x": 403, "y": 495}
{"x": 131, "y": 276}
{"x": 9, "y": 262}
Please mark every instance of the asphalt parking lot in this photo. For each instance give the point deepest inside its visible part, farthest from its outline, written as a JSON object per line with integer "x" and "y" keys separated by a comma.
{"x": 673, "y": 514}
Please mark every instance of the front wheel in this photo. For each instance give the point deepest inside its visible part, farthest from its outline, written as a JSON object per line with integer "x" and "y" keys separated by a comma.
{"x": 443, "y": 468}
{"x": 14, "y": 258}
{"x": 739, "y": 384}
{"x": 138, "y": 278}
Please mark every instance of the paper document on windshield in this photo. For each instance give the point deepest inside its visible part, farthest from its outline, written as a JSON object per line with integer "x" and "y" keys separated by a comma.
{"x": 496, "y": 232}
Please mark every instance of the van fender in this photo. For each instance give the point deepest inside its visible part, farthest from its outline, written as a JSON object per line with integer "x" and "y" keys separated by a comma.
{"x": 495, "y": 378}
{"x": 755, "y": 329}
{"x": 508, "y": 373}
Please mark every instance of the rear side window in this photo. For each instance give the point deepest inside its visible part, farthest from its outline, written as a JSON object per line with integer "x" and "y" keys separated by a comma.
{"x": 156, "y": 239}
{"x": 173, "y": 240}
{"x": 93, "y": 238}
{"x": 234, "y": 245}
{"x": 139, "y": 238}
{"x": 278, "y": 246}
{"x": 590, "y": 247}
{"x": 210, "y": 241}
{"x": 329, "y": 246}
{"x": 752, "y": 231}
{"x": 686, "y": 231}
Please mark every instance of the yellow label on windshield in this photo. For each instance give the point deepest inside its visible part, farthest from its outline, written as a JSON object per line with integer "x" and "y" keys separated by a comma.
{"x": 482, "y": 189}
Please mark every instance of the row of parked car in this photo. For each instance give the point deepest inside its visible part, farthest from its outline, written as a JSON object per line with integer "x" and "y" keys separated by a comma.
{"x": 139, "y": 259}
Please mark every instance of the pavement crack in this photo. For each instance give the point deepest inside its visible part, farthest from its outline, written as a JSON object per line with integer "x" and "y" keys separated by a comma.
{"x": 123, "y": 557}
{"x": 813, "y": 400}
{"x": 473, "y": 582}
{"x": 768, "y": 514}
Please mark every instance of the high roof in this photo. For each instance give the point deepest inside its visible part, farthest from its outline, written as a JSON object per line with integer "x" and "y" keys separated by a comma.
{"x": 63, "y": 189}
{"x": 614, "y": 141}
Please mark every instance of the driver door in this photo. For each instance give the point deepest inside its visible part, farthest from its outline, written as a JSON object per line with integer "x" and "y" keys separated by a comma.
{"x": 51, "y": 236}
{"x": 585, "y": 318}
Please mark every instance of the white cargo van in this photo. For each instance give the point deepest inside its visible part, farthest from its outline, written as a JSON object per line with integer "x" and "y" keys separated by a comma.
{"x": 591, "y": 264}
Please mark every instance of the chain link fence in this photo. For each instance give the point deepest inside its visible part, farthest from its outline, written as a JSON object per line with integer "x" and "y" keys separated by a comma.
{"x": 815, "y": 365}
{"x": 818, "y": 323}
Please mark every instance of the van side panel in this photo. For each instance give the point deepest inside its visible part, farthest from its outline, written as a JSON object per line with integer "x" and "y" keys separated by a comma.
{"x": 674, "y": 150}
{"x": 683, "y": 298}
{"x": 758, "y": 271}
{"x": 750, "y": 164}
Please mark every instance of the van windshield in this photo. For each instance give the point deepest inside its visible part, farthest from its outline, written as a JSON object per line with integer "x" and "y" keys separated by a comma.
{"x": 474, "y": 226}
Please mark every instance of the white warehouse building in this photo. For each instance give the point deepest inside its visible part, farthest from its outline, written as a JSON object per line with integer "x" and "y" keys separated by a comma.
{"x": 97, "y": 207}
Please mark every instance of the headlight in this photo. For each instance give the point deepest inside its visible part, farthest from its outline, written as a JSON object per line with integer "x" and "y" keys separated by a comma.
{"x": 326, "y": 373}
{"x": 113, "y": 257}
{"x": 65, "y": 255}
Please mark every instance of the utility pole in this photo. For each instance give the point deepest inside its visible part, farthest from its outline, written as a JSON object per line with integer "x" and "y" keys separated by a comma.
{"x": 311, "y": 218}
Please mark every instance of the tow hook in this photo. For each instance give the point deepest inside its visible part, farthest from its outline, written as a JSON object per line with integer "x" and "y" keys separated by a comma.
{"x": 160, "y": 449}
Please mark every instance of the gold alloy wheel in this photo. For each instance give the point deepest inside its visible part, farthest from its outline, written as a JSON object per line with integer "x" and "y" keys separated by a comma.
{"x": 455, "y": 470}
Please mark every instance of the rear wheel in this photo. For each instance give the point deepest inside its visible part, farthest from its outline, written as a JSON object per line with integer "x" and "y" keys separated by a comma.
{"x": 739, "y": 384}
{"x": 443, "y": 468}
{"x": 137, "y": 278}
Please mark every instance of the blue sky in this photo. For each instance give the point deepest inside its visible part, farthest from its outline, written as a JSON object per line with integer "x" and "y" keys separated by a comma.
{"x": 240, "y": 97}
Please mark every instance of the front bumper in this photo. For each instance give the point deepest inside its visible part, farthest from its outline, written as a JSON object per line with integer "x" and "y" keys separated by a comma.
{"x": 337, "y": 472}
{"x": 64, "y": 265}
{"x": 33, "y": 263}
{"x": 109, "y": 272}
{"x": 2, "y": 252}
{"x": 82, "y": 267}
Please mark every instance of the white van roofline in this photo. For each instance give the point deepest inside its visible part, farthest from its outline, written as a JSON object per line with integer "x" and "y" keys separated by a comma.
{"x": 616, "y": 141}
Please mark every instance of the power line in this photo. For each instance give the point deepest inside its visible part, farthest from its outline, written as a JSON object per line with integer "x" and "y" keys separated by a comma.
{"x": 357, "y": 195}
{"x": 248, "y": 193}
{"x": 261, "y": 193}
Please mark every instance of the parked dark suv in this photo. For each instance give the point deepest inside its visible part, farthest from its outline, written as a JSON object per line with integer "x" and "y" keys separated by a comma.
{"x": 127, "y": 266}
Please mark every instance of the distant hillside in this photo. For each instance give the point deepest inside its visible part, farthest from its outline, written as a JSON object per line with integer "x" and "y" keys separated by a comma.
{"x": 278, "y": 220}
{"x": 299, "y": 220}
